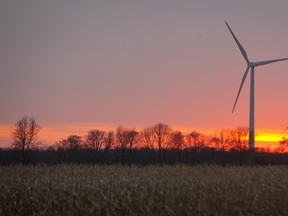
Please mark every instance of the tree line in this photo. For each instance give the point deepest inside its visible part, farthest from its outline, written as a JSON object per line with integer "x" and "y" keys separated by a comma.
{"x": 156, "y": 144}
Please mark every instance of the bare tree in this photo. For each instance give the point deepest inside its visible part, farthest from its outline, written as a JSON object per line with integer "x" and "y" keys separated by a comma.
{"x": 126, "y": 138}
{"x": 25, "y": 135}
{"x": 196, "y": 140}
{"x": 178, "y": 140}
{"x": 73, "y": 143}
{"x": 119, "y": 137}
{"x": 221, "y": 140}
{"x": 239, "y": 138}
{"x": 126, "y": 141}
{"x": 283, "y": 145}
{"x": 146, "y": 138}
{"x": 161, "y": 133}
{"x": 100, "y": 142}
{"x": 95, "y": 139}
{"x": 109, "y": 141}
{"x": 178, "y": 143}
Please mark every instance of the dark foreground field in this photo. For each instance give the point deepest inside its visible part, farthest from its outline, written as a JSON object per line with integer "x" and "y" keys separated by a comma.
{"x": 150, "y": 190}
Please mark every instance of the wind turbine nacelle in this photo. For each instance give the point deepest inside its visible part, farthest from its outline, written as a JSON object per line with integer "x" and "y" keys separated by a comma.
{"x": 253, "y": 64}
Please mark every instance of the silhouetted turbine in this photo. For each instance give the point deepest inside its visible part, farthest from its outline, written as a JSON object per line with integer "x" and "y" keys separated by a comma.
{"x": 250, "y": 65}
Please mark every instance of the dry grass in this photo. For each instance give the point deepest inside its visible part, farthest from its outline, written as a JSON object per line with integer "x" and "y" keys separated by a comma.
{"x": 117, "y": 190}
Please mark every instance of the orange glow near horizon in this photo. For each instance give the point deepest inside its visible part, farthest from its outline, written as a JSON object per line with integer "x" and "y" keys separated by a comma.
{"x": 269, "y": 137}
{"x": 51, "y": 134}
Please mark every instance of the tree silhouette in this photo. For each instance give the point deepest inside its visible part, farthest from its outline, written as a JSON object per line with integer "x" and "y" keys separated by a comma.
{"x": 196, "y": 140}
{"x": 126, "y": 140}
{"x": 283, "y": 145}
{"x": 99, "y": 142}
{"x": 239, "y": 138}
{"x": 73, "y": 143}
{"x": 109, "y": 140}
{"x": 221, "y": 140}
{"x": 147, "y": 140}
{"x": 161, "y": 133}
{"x": 95, "y": 139}
{"x": 178, "y": 143}
{"x": 25, "y": 136}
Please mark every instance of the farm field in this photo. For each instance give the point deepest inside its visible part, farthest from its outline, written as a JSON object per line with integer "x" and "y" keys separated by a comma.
{"x": 148, "y": 190}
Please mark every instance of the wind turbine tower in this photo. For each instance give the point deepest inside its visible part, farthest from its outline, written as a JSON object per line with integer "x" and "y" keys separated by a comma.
{"x": 250, "y": 65}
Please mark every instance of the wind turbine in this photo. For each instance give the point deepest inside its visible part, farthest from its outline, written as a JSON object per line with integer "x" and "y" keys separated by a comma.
{"x": 250, "y": 65}
{"x": 285, "y": 130}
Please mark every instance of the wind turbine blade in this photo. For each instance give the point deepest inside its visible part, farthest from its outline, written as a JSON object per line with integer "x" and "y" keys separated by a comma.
{"x": 269, "y": 61}
{"x": 242, "y": 82}
{"x": 239, "y": 45}
{"x": 285, "y": 130}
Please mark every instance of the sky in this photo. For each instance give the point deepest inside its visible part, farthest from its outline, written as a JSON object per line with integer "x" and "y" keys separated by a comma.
{"x": 81, "y": 65}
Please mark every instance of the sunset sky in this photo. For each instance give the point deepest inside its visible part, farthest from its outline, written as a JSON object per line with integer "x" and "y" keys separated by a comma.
{"x": 81, "y": 65}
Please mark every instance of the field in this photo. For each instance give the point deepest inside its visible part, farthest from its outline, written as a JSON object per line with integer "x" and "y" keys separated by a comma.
{"x": 148, "y": 190}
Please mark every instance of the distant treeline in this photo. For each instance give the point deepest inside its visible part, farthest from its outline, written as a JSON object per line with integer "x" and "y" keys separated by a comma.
{"x": 158, "y": 144}
{"x": 143, "y": 156}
